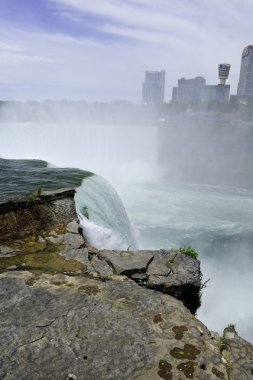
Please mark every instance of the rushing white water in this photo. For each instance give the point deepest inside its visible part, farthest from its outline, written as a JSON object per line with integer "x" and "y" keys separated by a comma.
{"x": 102, "y": 215}
{"x": 217, "y": 221}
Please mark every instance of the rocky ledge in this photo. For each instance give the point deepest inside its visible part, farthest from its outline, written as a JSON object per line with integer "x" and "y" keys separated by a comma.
{"x": 69, "y": 311}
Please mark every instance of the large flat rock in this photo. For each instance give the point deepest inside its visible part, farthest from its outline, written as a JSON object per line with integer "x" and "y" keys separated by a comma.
{"x": 53, "y": 326}
{"x": 127, "y": 262}
{"x": 177, "y": 274}
{"x": 168, "y": 271}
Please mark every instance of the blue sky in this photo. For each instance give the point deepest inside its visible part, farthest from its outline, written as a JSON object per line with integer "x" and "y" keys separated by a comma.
{"x": 100, "y": 49}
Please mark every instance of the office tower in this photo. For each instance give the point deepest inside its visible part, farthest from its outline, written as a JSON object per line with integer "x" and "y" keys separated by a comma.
{"x": 187, "y": 90}
{"x": 153, "y": 87}
{"x": 217, "y": 92}
{"x": 223, "y": 70}
{"x": 245, "y": 85}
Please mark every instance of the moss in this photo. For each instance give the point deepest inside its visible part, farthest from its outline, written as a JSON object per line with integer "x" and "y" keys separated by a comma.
{"x": 46, "y": 261}
{"x": 187, "y": 368}
{"x": 165, "y": 369}
{"x": 33, "y": 196}
{"x": 189, "y": 352}
{"x": 90, "y": 290}
{"x": 179, "y": 331}
{"x": 170, "y": 261}
{"x": 58, "y": 283}
{"x": 223, "y": 343}
{"x": 158, "y": 318}
{"x": 189, "y": 251}
{"x": 31, "y": 281}
{"x": 217, "y": 373}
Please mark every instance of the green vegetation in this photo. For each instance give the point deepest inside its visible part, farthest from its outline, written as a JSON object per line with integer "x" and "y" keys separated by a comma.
{"x": 189, "y": 251}
{"x": 223, "y": 343}
{"x": 32, "y": 197}
{"x": 231, "y": 327}
{"x": 170, "y": 261}
{"x": 40, "y": 257}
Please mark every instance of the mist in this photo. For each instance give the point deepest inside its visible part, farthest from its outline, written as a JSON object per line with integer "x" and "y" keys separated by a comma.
{"x": 182, "y": 182}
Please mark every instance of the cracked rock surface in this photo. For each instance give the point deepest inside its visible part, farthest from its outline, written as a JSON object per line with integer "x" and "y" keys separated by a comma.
{"x": 99, "y": 330}
{"x": 69, "y": 311}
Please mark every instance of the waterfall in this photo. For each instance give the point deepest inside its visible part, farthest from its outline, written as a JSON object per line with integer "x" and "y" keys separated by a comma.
{"x": 103, "y": 216}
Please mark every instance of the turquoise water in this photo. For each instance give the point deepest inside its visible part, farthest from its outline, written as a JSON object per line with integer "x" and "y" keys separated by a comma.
{"x": 20, "y": 177}
{"x": 218, "y": 222}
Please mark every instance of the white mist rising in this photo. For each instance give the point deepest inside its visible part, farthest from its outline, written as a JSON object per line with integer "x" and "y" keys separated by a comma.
{"x": 60, "y": 137}
{"x": 167, "y": 211}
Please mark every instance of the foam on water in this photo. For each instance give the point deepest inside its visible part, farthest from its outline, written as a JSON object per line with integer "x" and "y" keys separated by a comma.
{"x": 103, "y": 216}
{"x": 99, "y": 236}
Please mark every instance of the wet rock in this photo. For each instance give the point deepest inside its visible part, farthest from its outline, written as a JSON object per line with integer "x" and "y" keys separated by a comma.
{"x": 19, "y": 219}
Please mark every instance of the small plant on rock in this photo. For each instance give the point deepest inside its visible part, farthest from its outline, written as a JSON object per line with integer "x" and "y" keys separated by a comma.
{"x": 189, "y": 251}
{"x": 231, "y": 327}
{"x": 33, "y": 196}
{"x": 223, "y": 343}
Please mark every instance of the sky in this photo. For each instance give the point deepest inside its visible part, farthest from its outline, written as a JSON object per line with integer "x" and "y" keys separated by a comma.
{"x": 99, "y": 49}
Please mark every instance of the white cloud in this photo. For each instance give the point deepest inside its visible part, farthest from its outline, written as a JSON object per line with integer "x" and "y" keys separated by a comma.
{"x": 186, "y": 38}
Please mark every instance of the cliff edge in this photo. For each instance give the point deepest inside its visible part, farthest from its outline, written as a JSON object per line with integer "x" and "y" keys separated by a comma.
{"x": 69, "y": 311}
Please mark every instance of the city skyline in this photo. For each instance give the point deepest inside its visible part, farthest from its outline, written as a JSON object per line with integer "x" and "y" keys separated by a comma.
{"x": 153, "y": 87}
{"x": 245, "y": 85}
{"x": 99, "y": 50}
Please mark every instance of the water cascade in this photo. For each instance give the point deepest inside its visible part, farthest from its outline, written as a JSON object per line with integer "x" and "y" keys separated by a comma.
{"x": 216, "y": 220}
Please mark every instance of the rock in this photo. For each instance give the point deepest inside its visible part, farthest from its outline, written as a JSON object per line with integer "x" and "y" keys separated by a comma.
{"x": 41, "y": 240}
{"x": 73, "y": 227}
{"x": 19, "y": 219}
{"x": 168, "y": 271}
{"x": 8, "y": 251}
{"x": 127, "y": 262}
{"x": 237, "y": 354}
{"x": 55, "y": 239}
{"x": 177, "y": 274}
{"x": 99, "y": 330}
{"x": 78, "y": 313}
{"x": 102, "y": 268}
{"x": 12, "y": 267}
{"x": 81, "y": 255}
{"x": 73, "y": 240}
{"x": 71, "y": 377}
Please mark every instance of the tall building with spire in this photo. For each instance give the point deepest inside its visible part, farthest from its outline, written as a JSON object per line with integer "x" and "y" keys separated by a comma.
{"x": 153, "y": 87}
{"x": 245, "y": 85}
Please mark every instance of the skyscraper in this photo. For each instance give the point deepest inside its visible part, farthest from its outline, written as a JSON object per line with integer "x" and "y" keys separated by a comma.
{"x": 153, "y": 87}
{"x": 245, "y": 85}
{"x": 188, "y": 90}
